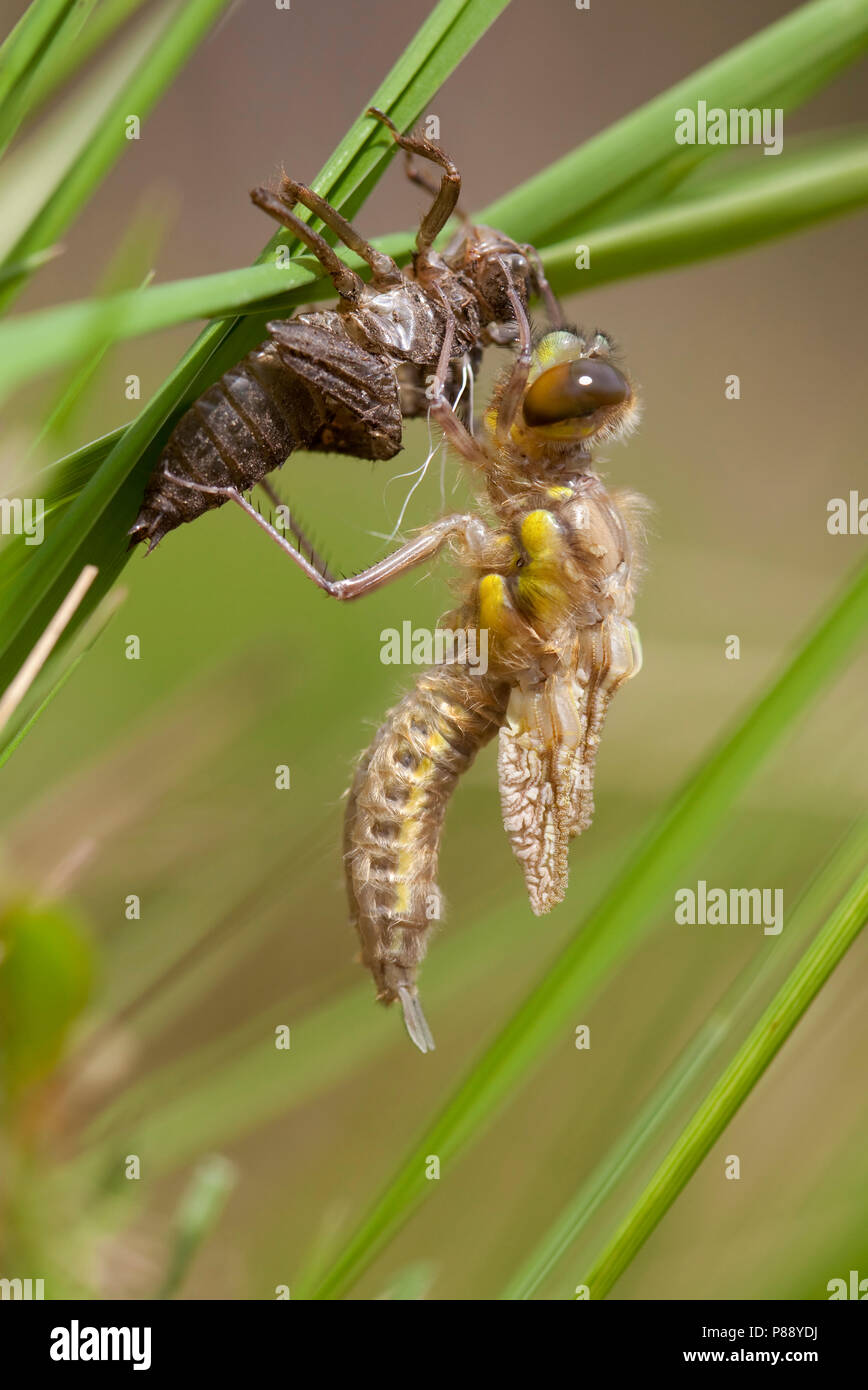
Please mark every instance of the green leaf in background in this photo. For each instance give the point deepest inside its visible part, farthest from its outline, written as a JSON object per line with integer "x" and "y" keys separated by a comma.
{"x": 128, "y": 271}
{"x": 663, "y": 1104}
{"x": 746, "y": 209}
{"x": 410, "y": 1285}
{"x": 198, "y": 1213}
{"x": 46, "y": 152}
{"x": 733, "y": 1087}
{"x": 60, "y": 65}
{"x": 21, "y": 51}
{"x": 46, "y": 970}
{"x": 61, "y": 23}
{"x": 620, "y": 169}
{"x": 157, "y": 69}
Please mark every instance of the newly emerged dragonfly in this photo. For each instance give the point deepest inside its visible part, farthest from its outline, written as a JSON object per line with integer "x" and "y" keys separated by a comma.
{"x": 550, "y": 576}
{"x": 343, "y": 380}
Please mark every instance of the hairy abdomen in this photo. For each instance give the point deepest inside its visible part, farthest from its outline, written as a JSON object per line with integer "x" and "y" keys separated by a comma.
{"x": 395, "y": 814}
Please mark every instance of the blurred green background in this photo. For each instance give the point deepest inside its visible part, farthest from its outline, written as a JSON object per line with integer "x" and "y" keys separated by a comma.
{"x": 155, "y": 777}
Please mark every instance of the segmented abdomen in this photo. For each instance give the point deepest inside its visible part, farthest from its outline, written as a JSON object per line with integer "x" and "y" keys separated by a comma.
{"x": 308, "y": 386}
{"x": 395, "y": 815}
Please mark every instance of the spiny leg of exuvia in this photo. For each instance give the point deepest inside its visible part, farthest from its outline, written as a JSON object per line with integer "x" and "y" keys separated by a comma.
{"x": 550, "y": 575}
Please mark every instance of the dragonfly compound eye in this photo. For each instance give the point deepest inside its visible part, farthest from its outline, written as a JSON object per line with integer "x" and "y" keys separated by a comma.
{"x": 573, "y": 390}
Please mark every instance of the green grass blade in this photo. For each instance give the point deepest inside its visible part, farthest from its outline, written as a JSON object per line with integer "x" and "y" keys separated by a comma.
{"x": 70, "y": 474}
{"x": 181, "y": 36}
{"x": 46, "y": 155}
{"x": 662, "y": 1106}
{"x": 734, "y": 1086}
{"x": 96, "y": 523}
{"x": 618, "y": 922}
{"x": 815, "y": 41}
{"x": 689, "y": 164}
{"x": 70, "y": 17}
{"x": 740, "y": 209}
{"x": 61, "y": 65}
{"x": 59, "y": 483}
{"x": 20, "y": 270}
{"x": 56, "y": 337}
{"x": 198, "y": 1212}
{"x": 128, "y": 272}
{"x": 746, "y": 209}
{"x": 22, "y": 48}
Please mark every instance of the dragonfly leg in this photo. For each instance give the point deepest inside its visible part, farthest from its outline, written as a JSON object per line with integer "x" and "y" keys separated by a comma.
{"x": 447, "y": 195}
{"x": 348, "y": 284}
{"x": 424, "y": 545}
{"x": 544, "y": 289}
{"x": 384, "y": 271}
{"x": 515, "y": 387}
{"x": 443, "y": 413}
{"x": 301, "y": 540}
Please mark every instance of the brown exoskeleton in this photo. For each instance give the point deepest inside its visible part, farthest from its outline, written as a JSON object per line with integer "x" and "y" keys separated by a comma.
{"x": 343, "y": 380}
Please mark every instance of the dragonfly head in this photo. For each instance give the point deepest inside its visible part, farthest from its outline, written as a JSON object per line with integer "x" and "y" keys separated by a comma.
{"x": 575, "y": 393}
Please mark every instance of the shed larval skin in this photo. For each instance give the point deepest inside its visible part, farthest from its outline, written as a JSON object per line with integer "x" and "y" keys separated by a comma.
{"x": 343, "y": 380}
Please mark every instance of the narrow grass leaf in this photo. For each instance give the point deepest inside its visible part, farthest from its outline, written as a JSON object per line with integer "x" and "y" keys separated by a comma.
{"x": 45, "y": 156}
{"x": 733, "y": 1087}
{"x": 102, "y": 23}
{"x": 21, "y": 49}
{"x": 819, "y": 38}
{"x": 159, "y": 65}
{"x": 61, "y": 38}
{"x": 198, "y": 1212}
{"x": 617, "y": 924}
{"x": 755, "y": 206}
{"x": 636, "y": 1143}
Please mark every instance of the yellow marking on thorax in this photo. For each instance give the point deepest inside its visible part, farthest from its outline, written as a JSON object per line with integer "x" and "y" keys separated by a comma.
{"x": 559, "y": 494}
{"x": 540, "y": 534}
{"x": 494, "y": 603}
{"x": 540, "y": 586}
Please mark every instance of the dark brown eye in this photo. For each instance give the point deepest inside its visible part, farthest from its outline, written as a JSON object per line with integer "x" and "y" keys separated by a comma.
{"x": 574, "y": 389}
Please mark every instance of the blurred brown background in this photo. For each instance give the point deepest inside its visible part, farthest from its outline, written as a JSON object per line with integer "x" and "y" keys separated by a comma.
{"x": 167, "y": 763}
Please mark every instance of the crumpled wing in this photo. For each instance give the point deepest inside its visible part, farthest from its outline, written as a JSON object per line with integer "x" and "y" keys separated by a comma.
{"x": 547, "y": 754}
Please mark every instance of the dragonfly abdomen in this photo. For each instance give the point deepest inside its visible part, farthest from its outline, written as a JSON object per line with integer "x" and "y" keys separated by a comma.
{"x": 308, "y": 386}
{"x": 395, "y": 816}
{"x": 241, "y": 429}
